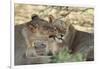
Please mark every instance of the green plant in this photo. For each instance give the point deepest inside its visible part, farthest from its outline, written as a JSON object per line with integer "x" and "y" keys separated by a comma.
{"x": 65, "y": 56}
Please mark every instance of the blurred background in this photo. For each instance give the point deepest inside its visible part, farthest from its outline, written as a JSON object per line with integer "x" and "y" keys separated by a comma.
{"x": 82, "y": 18}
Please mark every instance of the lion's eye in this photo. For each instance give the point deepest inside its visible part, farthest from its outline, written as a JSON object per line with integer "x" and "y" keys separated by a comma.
{"x": 52, "y": 36}
{"x": 62, "y": 35}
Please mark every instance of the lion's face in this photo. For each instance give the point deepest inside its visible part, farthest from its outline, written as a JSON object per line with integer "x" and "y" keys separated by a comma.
{"x": 46, "y": 37}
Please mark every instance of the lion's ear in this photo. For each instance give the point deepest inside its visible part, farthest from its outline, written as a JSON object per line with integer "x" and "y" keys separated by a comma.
{"x": 71, "y": 27}
{"x": 34, "y": 16}
{"x": 51, "y": 18}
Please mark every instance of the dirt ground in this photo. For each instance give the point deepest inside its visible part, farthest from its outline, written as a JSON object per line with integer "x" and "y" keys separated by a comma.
{"x": 81, "y": 17}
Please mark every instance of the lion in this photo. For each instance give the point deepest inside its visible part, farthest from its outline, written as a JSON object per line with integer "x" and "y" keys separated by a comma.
{"x": 38, "y": 40}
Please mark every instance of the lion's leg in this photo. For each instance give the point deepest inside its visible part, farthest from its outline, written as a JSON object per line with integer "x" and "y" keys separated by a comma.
{"x": 30, "y": 50}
